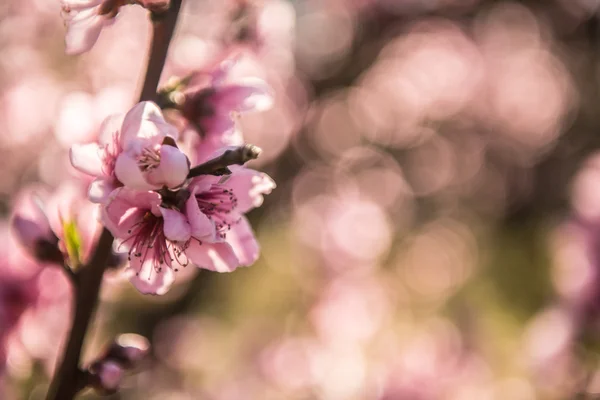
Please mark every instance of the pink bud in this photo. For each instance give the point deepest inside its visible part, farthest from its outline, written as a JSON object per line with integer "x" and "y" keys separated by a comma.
{"x": 110, "y": 374}
{"x": 133, "y": 348}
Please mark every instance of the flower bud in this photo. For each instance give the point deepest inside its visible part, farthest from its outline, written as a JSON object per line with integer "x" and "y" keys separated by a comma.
{"x": 108, "y": 375}
{"x": 128, "y": 349}
{"x": 37, "y": 238}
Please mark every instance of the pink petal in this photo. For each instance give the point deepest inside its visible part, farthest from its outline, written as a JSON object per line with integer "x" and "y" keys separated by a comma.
{"x": 244, "y": 244}
{"x": 83, "y": 30}
{"x": 126, "y": 208}
{"x": 202, "y": 183}
{"x": 249, "y": 186}
{"x": 172, "y": 170}
{"x": 99, "y": 190}
{"x": 29, "y": 205}
{"x": 110, "y": 131}
{"x": 217, "y": 125}
{"x": 87, "y": 158}
{"x": 176, "y": 227}
{"x": 88, "y": 226}
{"x": 212, "y": 256}
{"x": 145, "y": 120}
{"x": 203, "y": 228}
{"x": 62, "y": 206}
{"x": 28, "y": 232}
{"x": 147, "y": 279}
{"x": 250, "y": 94}
{"x": 128, "y": 172}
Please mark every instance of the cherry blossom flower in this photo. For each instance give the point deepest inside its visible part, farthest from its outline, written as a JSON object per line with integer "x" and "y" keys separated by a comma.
{"x": 56, "y": 227}
{"x": 212, "y": 104}
{"x": 85, "y": 19}
{"x": 137, "y": 150}
{"x": 154, "y": 236}
{"x": 215, "y": 210}
{"x": 203, "y": 223}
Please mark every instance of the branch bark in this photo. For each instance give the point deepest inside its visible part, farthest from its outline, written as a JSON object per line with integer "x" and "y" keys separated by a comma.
{"x": 69, "y": 378}
{"x": 218, "y": 165}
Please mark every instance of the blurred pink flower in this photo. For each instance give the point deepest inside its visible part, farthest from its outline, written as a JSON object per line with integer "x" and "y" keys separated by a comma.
{"x": 32, "y": 228}
{"x": 216, "y": 211}
{"x": 136, "y": 150}
{"x": 58, "y": 226}
{"x": 16, "y": 295}
{"x": 211, "y": 105}
{"x": 85, "y": 19}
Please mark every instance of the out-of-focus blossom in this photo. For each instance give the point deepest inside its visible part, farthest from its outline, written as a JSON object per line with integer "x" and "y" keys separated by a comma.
{"x": 216, "y": 213}
{"x": 16, "y": 295}
{"x": 85, "y": 19}
{"x": 57, "y": 227}
{"x": 211, "y": 104}
{"x": 32, "y": 228}
{"x": 137, "y": 150}
{"x": 125, "y": 353}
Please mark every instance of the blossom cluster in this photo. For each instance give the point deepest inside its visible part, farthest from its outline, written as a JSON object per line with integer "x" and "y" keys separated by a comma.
{"x": 162, "y": 215}
{"x": 141, "y": 182}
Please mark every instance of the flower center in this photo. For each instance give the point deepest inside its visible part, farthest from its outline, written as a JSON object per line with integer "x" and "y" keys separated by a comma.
{"x": 218, "y": 204}
{"x": 149, "y": 159}
{"x": 147, "y": 241}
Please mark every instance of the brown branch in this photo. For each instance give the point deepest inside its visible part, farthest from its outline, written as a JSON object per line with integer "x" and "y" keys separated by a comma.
{"x": 69, "y": 379}
{"x": 218, "y": 165}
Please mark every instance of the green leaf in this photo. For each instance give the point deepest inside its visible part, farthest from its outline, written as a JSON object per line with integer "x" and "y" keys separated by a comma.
{"x": 72, "y": 243}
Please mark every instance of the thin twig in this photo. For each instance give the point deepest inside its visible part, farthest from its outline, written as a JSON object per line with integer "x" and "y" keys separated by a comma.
{"x": 69, "y": 378}
{"x": 218, "y": 165}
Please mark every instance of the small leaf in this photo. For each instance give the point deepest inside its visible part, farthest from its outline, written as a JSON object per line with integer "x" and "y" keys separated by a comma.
{"x": 72, "y": 243}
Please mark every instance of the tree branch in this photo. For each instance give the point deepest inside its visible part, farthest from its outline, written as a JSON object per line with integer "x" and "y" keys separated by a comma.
{"x": 218, "y": 165}
{"x": 69, "y": 378}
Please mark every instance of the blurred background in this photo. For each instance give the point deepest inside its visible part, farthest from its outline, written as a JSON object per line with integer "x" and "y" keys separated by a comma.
{"x": 435, "y": 232}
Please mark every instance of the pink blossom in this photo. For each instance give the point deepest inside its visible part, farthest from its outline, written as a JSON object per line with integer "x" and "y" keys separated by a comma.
{"x": 85, "y": 19}
{"x": 215, "y": 210}
{"x": 205, "y": 226}
{"x": 212, "y": 104}
{"x": 63, "y": 222}
{"x": 136, "y": 150}
{"x": 154, "y": 236}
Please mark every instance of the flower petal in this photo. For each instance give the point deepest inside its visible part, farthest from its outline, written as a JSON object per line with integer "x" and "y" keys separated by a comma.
{"x": 126, "y": 207}
{"x": 87, "y": 158}
{"x": 29, "y": 232}
{"x": 145, "y": 120}
{"x": 249, "y": 187}
{"x": 83, "y": 30}
{"x": 110, "y": 131}
{"x": 176, "y": 226}
{"x": 212, "y": 256}
{"x": 244, "y": 244}
{"x": 203, "y": 228}
{"x": 173, "y": 168}
{"x": 99, "y": 190}
{"x": 147, "y": 279}
{"x": 128, "y": 172}
{"x": 250, "y": 94}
